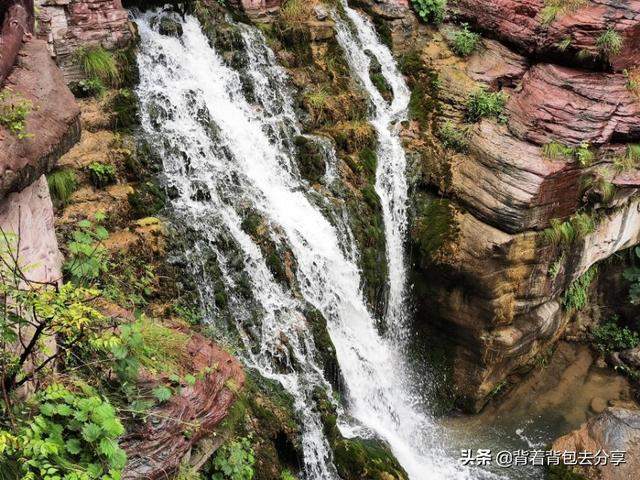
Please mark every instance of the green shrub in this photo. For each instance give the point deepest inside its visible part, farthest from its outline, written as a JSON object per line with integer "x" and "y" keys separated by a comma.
{"x": 556, "y": 150}
{"x": 611, "y": 337}
{"x": 610, "y": 42}
{"x": 74, "y": 437}
{"x": 88, "y": 258}
{"x": 125, "y": 108}
{"x": 234, "y": 461}
{"x": 14, "y": 109}
{"x": 432, "y": 11}
{"x": 453, "y": 137}
{"x": 584, "y": 155}
{"x": 92, "y": 87}
{"x": 465, "y": 41}
{"x": 581, "y": 154}
{"x": 146, "y": 200}
{"x": 483, "y": 103}
{"x": 62, "y": 183}
{"x": 577, "y": 295}
{"x": 98, "y": 63}
{"x": 566, "y": 232}
{"x": 553, "y": 8}
{"x": 287, "y": 475}
{"x": 101, "y": 174}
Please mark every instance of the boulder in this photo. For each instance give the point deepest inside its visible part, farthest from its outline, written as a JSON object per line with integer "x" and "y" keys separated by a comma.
{"x": 614, "y": 430}
{"x": 156, "y": 447}
{"x": 522, "y": 23}
{"x": 28, "y": 215}
{"x": 573, "y": 106}
{"x": 68, "y": 25}
{"x": 52, "y": 126}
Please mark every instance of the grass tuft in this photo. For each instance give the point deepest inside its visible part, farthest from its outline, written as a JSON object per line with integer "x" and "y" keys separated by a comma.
{"x": 62, "y": 183}
{"x": 99, "y": 63}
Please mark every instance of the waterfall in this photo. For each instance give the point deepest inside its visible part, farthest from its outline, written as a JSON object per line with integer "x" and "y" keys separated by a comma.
{"x": 223, "y": 154}
{"x": 359, "y": 40}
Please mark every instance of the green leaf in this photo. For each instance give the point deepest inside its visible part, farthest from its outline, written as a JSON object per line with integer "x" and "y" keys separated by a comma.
{"x": 73, "y": 446}
{"x": 91, "y": 432}
{"x": 162, "y": 393}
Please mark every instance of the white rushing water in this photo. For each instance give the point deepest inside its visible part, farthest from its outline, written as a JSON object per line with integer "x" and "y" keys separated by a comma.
{"x": 222, "y": 155}
{"x": 359, "y": 40}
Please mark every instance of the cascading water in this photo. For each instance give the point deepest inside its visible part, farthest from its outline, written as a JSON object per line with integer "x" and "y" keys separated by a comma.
{"x": 222, "y": 155}
{"x": 360, "y": 44}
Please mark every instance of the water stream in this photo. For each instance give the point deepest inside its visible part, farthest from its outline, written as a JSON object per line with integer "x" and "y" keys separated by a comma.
{"x": 222, "y": 155}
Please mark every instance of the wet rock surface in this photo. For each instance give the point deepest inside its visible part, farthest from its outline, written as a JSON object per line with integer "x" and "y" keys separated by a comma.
{"x": 615, "y": 429}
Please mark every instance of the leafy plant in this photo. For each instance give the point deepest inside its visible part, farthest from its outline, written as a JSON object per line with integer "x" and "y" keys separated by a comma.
{"x": 483, "y": 103}
{"x": 553, "y": 8}
{"x": 62, "y": 183}
{"x": 465, "y": 41}
{"x": 74, "y": 437}
{"x": 431, "y": 11}
{"x": 31, "y": 314}
{"x": 14, "y": 109}
{"x": 581, "y": 154}
{"x": 88, "y": 257}
{"x": 98, "y": 63}
{"x": 453, "y": 137}
{"x": 91, "y": 87}
{"x": 611, "y": 337}
{"x": 234, "y": 461}
{"x": 566, "y": 232}
{"x": 287, "y": 475}
{"x": 610, "y": 42}
{"x": 577, "y": 295}
{"x": 101, "y": 174}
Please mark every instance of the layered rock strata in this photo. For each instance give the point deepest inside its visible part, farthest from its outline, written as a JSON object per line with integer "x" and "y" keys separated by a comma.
{"x": 70, "y": 25}
{"x": 487, "y": 272}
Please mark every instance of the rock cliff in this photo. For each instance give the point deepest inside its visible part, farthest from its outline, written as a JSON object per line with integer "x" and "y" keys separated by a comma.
{"x": 69, "y": 25}
{"x": 493, "y": 269}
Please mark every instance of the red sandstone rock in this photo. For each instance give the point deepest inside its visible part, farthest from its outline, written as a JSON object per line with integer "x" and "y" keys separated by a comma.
{"x": 71, "y": 24}
{"x": 506, "y": 182}
{"x": 258, "y": 9}
{"x": 156, "y": 448}
{"x": 16, "y": 22}
{"x": 496, "y": 65}
{"x": 53, "y": 124}
{"x": 573, "y": 106}
{"x": 519, "y": 22}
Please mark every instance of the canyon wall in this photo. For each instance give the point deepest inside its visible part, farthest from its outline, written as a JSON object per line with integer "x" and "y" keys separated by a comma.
{"x": 493, "y": 268}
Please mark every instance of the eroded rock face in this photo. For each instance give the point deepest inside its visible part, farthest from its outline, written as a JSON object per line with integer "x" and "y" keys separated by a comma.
{"x": 52, "y": 126}
{"x": 615, "y": 429}
{"x": 28, "y": 216}
{"x": 522, "y": 23}
{"x": 68, "y": 25}
{"x": 258, "y": 10}
{"x": 499, "y": 299}
{"x": 573, "y": 106}
{"x": 156, "y": 447}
